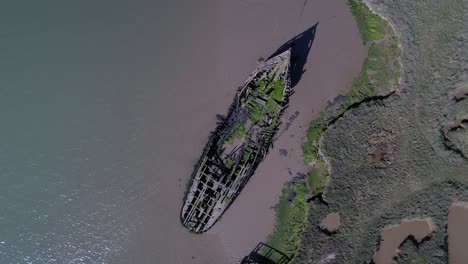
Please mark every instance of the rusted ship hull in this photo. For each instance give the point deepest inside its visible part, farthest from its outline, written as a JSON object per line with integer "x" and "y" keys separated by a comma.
{"x": 239, "y": 143}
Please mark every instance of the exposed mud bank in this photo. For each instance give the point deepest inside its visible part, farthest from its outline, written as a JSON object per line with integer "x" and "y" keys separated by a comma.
{"x": 358, "y": 104}
{"x": 330, "y": 223}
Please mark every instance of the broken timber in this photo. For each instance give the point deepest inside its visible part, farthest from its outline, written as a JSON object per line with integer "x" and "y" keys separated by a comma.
{"x": 238, "y": 144}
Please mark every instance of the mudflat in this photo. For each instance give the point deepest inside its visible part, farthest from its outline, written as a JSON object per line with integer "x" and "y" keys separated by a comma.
{"x": 331, "y": 222}
{"x": 458, "y": 233}
{"x": 394, "y": 235}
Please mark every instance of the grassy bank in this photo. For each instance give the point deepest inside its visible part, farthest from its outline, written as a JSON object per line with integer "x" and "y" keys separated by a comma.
{"x": 369, "y": 24}
{"x": 290, "y": 219}
{"x": 379, "y": 76}
{"x": 311, "y": 146}
{"x": 318, "y": 177}
{"x": 381, "y": 69}
{"x": 291, "y": 210}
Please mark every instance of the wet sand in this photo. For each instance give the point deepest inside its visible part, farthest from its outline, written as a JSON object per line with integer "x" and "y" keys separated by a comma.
{"x": 393, "y": 236}
{"x": 458, "y": 233}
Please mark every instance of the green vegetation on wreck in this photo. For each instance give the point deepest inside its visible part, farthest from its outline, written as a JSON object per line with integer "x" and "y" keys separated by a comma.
{"x": 379, "y": 76}
{"x": 274, "y": 90}
{"x": 255, "y": 112}
{"x": 277, "y": 88}
{"x": 238, "y": 131}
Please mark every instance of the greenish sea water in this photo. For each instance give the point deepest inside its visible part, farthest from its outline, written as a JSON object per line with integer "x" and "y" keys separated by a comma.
{"x": 85, "y": 90}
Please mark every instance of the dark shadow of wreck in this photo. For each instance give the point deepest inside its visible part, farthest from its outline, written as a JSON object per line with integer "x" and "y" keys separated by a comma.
{"x": 300, "y": 47}
{"x": 265, "y": 254}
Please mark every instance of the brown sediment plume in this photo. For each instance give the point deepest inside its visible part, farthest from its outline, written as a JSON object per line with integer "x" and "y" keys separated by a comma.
{"x": 331, "y": 223}
{"x": 394, "y": 235}
{"x": 458, "y": 233}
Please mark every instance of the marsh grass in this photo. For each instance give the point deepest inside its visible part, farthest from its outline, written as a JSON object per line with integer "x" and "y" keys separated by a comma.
{"x": 311, "y": 146}
{"x": 290, "y": 219}
{"x": 369, "y": 24}
{"x": 318, "y": 178}
{"x": 379, "y": 75}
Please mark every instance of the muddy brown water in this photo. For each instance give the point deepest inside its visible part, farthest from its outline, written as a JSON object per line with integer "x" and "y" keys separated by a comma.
{"x": 331, "y": 222}
{"x": 106, "y": 107}
{"x": 458, "y": 233}
{"x": 219, "y": 44}
{"x": 393, "y": 236}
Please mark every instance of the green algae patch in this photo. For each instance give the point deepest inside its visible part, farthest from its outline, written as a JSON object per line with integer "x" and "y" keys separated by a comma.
{"x": 291, "y": 216}
{"x": 255, "y": 112}
{"x": 311, "y": 146}
{"x": 275, "y": 92}
{"x": 318, "y": 177}
{"x": 379, "y": 75}
{"x": 237, "y": 132}
{"x": 278, "y": 90}
{"x": 369, "y": 24}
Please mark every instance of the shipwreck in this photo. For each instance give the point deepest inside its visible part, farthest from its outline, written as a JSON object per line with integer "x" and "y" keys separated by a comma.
{"x": 238, "y": 144}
